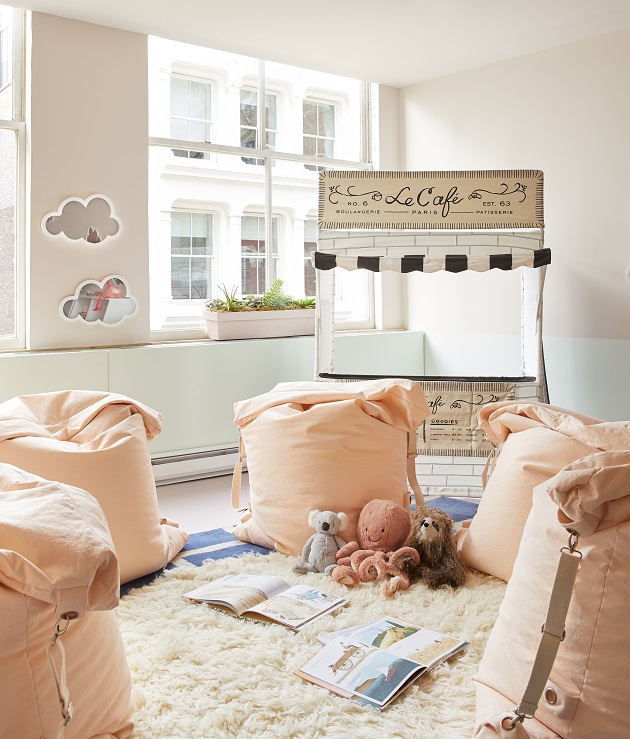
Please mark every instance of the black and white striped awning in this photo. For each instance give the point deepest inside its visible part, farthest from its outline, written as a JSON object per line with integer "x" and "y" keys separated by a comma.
{"x": 420, "y": 263}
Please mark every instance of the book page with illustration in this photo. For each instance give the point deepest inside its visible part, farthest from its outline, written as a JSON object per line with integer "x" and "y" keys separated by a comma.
{"x": 348, "y": 667}
{"x": 424, "y": 646}
{"x": 298, "y": 606}
{"x": 239, "y": 592}
{"x": 267, "y": 598}
{"x": 376, "y": 661}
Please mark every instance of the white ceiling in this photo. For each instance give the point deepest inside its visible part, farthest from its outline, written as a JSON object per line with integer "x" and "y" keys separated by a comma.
{"x": 395, "y": 43}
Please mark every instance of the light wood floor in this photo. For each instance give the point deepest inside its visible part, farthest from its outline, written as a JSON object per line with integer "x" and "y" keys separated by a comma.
{"x": 201, "y": 505}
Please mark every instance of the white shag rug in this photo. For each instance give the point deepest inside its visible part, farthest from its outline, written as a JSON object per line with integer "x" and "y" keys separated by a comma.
{"x": 199, "y": 673}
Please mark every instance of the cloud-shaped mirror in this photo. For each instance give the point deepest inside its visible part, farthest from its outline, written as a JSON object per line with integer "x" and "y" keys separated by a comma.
{"x": 108, "y": 302}
{"x": 92, "y": 221}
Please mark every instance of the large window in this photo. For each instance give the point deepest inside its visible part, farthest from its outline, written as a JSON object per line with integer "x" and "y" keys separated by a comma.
{"x": 219, "y": 222}
{"x": 11, "y": 179}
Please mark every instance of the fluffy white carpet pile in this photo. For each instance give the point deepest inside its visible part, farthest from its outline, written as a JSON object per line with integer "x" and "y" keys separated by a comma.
{"x": 199, "y": 673}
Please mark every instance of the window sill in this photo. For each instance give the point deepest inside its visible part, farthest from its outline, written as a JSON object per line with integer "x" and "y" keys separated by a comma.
{"x": 184, "y": 334}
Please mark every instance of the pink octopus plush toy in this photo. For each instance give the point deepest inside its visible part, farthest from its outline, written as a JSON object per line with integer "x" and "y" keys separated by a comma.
{"x": 383, "y": 531}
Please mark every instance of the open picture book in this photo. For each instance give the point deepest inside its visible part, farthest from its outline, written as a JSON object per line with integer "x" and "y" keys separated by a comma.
{"x": 373, "y": 663}
{"x": 267, "y": 598}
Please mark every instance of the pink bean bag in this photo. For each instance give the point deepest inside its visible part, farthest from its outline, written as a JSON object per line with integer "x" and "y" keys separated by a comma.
{"x": 98, "y": 442}
{"x": 58, "y": 571}
{"x": 586, "y": 695}
{"x": 324, "y": 445}
{"x": 537, "y": 440}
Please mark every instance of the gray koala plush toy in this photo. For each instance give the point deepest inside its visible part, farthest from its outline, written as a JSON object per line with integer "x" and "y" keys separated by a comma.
{"x": 320, "y": 551}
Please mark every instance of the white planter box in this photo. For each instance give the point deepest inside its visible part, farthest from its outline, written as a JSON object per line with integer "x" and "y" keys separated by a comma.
{"x": 223, "y": 325}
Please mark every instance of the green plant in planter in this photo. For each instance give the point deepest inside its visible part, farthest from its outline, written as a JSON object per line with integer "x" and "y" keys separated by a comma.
{"x": 273, "y": 299}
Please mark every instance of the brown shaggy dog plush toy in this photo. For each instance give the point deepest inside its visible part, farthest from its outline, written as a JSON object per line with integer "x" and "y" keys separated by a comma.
{"x": 432, "y": 537}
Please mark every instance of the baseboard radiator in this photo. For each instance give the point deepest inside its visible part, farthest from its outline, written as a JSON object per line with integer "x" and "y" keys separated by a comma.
{"x": 194, "y": 465}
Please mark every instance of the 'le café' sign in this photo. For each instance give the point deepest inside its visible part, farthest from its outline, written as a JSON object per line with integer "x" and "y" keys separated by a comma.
{"x": 431, "y": 200}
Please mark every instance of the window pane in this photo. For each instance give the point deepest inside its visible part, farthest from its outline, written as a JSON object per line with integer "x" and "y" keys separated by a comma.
{"x": 271, "y": 105}
{"x": 180, "y": 233}
{"x": 202, "y": 233}
{"x": 310, "y": 118}
{"x": 200, "y": 101}
{"x": 325, "y": 147}
{"x": 200, "y": 282}
{"x": 325, "y": 120}
{"x": 180, "y": 90}
{"x": 7, "y": 233}
{"x": 250, "y": 227}
{"x": 310, "y": 145}
{"x": 249, "y": 108}
{"x": 180, "y": 278}
{"x": 179, "y": 128}
{"x": 253, "y": 276}
{"x": 248, "y": 137}
{"x": 199, "y": 131}
{"x": 180, "y": 245}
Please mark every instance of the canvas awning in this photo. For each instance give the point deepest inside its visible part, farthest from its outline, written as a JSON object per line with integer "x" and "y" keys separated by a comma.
{"x": 420, "y": 263}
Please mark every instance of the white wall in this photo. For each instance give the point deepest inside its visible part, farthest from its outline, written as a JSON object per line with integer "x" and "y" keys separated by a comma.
{"x": 87, "y": 135}
{"x": 565, "y": 111}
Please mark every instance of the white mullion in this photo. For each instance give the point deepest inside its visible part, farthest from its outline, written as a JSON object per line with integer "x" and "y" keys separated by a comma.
{"x": 268, "y": 223}
{"x": 259, "y": 153}
{"x": 262, "y": 144}
{"x": 18, "y": 63}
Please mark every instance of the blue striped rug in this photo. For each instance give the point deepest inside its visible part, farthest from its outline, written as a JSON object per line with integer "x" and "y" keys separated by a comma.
{"x": 220, "y": 544}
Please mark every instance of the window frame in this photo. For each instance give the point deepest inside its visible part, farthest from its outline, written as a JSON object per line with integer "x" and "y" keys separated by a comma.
{"x": 256, "y": 128}
{"x": 208, "y": 122}
{"x": 317, "y": 137}
{"x": 211, "y": 258}
{"x": 18, "y": 126}
{"x": 270, "y": 274}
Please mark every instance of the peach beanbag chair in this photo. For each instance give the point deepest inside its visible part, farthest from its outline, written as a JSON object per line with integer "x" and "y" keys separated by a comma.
{"x": 586, "y": 694}
{"x": 325, "y": 445}
{"x": 538, "y": 440}
{"x": 57, "y": 558}
{"x": 99, "y": 443}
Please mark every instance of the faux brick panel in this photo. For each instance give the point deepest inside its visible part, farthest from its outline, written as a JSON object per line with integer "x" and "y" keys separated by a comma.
{"x": 452, "y": 469}
{"x": 466, "y": 480}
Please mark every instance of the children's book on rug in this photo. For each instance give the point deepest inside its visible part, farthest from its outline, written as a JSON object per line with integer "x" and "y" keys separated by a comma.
{"x": 374, "y": 662}
{"x": 267, "y": 598}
